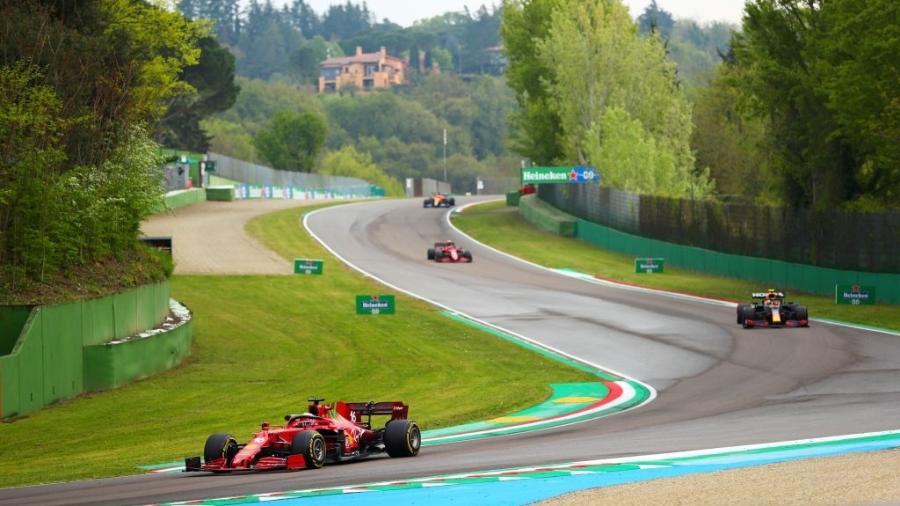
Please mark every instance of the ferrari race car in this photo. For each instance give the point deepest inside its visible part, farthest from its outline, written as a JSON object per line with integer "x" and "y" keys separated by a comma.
{"x": 307, "y": 440}
{"x": 447, "y": 251}
{"x": 439, "y": 200}
{"x": 771, "y": 311}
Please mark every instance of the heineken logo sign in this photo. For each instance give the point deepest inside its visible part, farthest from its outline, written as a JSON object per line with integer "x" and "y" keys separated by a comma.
{"x": 375, "y": 304}
{"x": 577, "y": 174}
{"x": 854, "y": 294}
{"x": 308, "y": 266}
{"x": 649, "y": 265}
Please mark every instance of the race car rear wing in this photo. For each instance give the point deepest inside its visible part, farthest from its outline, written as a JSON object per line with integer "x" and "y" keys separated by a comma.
{"x": 396, "y": 409}
{"x": 763, "y": 295}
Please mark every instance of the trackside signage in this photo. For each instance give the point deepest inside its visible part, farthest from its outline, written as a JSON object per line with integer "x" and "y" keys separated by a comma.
{"x": 375, "y": 304}
{"x": 854, "y": 294}
{"x": 649, "y": 265}
{"x": 547, "y": 175}
{"x": 308, "y": 266}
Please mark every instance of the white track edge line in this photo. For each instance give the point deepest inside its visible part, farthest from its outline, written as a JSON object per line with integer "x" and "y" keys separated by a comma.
{"x": 651, "y": 391}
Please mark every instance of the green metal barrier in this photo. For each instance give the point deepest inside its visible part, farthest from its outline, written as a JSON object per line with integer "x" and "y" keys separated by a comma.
{"x": 47, "y": 354}
{"x": 807, "y": 278}
{"x": 113, "y": 365}
{"x": 512, "y": 198}
{"x": 546, "y": 217}
{"x": 182, "y": 198}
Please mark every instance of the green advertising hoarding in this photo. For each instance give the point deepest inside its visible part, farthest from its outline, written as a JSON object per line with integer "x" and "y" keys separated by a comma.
{"x": 649, "y": 265}
{"x": 547, "y": 175}
{"x": 375, "y": 304}
{"x": 854, "y": 294}
{"x": 308, "y": 266}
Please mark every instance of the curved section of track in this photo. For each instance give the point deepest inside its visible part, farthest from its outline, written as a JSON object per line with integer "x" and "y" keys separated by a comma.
{"x": 718, "y": 384}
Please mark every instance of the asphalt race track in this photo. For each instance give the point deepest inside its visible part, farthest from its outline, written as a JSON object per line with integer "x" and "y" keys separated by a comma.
{"x": 718, "y": 385}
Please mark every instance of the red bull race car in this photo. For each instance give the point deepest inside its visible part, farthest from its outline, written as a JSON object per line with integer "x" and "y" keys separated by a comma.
{"x": 447, "y": 251}
{"x": 769, "y": 310}
{"x": 439, "y": 200}
{"x": 308, "y": 440}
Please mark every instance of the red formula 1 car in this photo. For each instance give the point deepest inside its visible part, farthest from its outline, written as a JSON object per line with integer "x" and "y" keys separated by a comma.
{"x": 308, "y": 440}
{"x": 771, "y": 311}
{"x": 447, "y": 251}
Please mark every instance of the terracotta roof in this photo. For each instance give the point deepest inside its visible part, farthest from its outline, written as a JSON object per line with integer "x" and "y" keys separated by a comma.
{"x": 346, "y": 60}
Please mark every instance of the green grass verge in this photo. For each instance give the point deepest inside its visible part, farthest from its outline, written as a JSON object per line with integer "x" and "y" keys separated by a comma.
{"x": 262, "y": 344}
{"x": 504, "y": 228}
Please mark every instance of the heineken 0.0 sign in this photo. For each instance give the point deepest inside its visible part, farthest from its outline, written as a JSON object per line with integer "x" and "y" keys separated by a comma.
{"x": 546, "y": 175}
{"x": 375, "y": 304}
{"x": 854, "y": 294}
{"x": 649, "y": 265}
{"x": 308, "y": 266}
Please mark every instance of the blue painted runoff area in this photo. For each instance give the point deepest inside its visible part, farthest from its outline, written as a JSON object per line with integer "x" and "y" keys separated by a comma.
{"x": 522, "y": 490}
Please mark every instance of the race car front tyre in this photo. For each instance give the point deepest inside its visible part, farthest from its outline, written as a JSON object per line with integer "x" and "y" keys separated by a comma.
{"x": 220, "y": 445}
{"x": 740, "y": 313}
{"x": 748, "y": 312}
{"x": 311, "y": 445}
{"x": 402, "y": 438}
{"x": 431, "y": 253}
{"x": 452, "y": 202}
{"x": 467, "y": 255}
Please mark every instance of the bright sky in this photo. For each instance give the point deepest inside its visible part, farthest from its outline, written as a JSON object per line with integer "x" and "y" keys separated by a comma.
{"x": 404, "y": 12}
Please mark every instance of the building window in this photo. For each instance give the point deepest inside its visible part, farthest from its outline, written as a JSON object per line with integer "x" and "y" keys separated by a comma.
{"x": 368, "y": 84}
{"x": 371, "y": 68}
{"x": 330, "y": 74}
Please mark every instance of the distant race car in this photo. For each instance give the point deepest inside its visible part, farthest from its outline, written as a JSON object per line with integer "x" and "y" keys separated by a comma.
{"x": 439, "y": 200}
{"x": 308, "y": 440}
{"x": 447, "y": 251}
{"x": 771, "y": 311}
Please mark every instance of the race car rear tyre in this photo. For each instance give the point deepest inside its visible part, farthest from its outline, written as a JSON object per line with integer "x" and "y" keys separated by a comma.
{"x": 801, "y": 313}
{"x": 748, "y": 312}
{"x": 220, "y": 445}
{"x": 402, "y": 438}
{"x": 431, "y": 253}
{"x": 311, "y": 445}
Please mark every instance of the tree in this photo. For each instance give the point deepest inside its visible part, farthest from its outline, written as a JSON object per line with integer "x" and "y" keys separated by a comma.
{"x": 349, "y": 162}
{"x": 606, "y": 79}
{"x": 81, "y": 82}
{"x": 538, "y": 125}
{"x": 306, "y": 59}
{"x": 825, "y": 75}
{"x": 654, "y": 19}
{"x": 292, "y": 141}
{"x": 214, "y": 90}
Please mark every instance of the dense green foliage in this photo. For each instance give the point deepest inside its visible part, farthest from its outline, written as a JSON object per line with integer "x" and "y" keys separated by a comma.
{"x": 349, "y": 162}
{"x": 401, "y": 129}
{"x": 212, "y": 80}
{"x": 292, "y": 141}
{"x": 80, "y": 84}
{"x": 825, "y": 77}
{"x": 615, "y": 94}
{"x": 290, "y": 42}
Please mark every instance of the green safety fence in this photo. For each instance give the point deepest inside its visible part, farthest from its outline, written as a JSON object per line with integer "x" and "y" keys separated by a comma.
{"x": 807, "y": 278}
{"x": 182, "y": 198}
{"x": 43, "y": 357}
{"x": 546, "y": 217}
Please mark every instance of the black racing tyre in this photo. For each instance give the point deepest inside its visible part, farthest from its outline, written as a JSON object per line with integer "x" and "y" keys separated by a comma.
{"x": 402, "y": 438}
{"x": 438, "y": 254}
{"x": 801, "y": 313}
{"x": 740, "y": 313}
{"x": 311, "y": 445}
{"x": 748, "y": 312}
{"x": 431, "y": 253}
{"x": 452, "y": 202}
{"x": 467, "y": 255}
{"x": 220, "y": 445}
